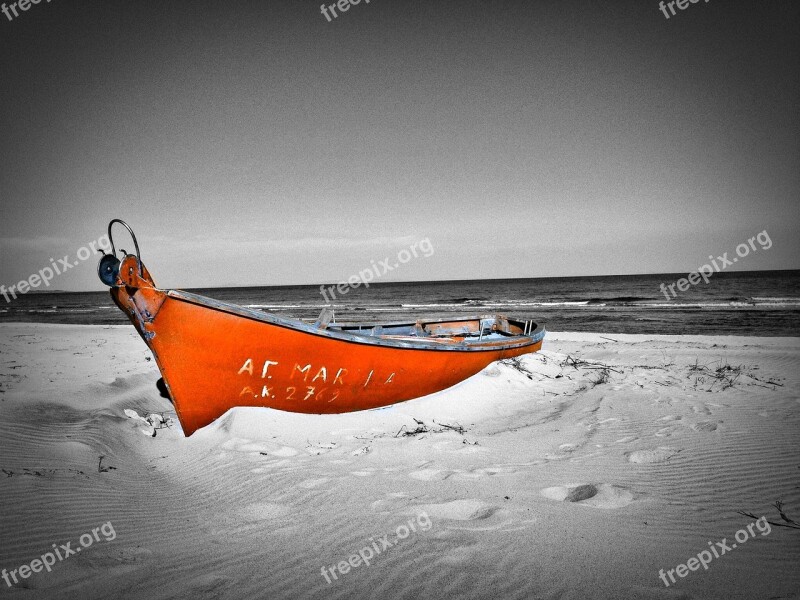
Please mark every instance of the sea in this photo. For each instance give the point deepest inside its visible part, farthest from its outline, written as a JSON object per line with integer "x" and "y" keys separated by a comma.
{"x": 762, "y": 303}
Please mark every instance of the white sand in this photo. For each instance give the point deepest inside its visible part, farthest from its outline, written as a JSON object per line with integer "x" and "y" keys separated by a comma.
{"x": 559, "y": 487}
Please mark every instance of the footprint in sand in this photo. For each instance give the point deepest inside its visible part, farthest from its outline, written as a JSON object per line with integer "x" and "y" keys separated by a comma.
{"x": 456, "y": 510}
{"x": 207, "y": 585}
{"x": 705, "y": 426}
{"x": 660, "y": 454}
{"x": 551, "y": 456}
{"x": 503, "y": 527}
{"x": 564, "y": 451}
{"x": 485, "y": 472}
{"x": 600, "y": 495}
{"x": 666, "y": 431}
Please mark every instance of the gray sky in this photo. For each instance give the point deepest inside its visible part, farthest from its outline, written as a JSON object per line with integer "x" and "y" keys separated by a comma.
{"x": 256, "y": 143}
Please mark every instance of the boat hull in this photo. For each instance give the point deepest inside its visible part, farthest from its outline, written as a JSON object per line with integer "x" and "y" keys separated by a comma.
{"x": 215, "y": 356}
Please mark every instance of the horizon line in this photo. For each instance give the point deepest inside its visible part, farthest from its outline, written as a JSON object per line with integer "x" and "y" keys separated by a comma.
{"x": 379, "y": 283}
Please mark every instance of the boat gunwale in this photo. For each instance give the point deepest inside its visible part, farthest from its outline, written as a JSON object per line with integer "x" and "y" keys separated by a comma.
{"x": 514, "y": 341}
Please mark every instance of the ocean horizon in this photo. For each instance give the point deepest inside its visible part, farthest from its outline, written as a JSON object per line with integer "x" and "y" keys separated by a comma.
{"x": 736, "y": 303}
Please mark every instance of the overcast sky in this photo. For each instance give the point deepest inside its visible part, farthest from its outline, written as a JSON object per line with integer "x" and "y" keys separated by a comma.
{"x": 258, "y": 143}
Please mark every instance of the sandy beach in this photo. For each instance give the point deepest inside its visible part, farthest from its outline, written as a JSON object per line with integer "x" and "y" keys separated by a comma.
{"x": 588, "y": 470}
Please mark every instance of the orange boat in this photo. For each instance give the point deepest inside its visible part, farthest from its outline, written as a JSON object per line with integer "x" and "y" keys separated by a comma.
{"x": 214, "y": 356}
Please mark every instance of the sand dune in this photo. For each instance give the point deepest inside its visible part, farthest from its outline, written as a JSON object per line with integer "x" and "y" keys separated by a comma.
{"x": 578, "y": 472}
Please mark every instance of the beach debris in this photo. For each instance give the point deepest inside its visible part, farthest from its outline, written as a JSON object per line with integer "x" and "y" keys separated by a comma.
{"x": 132, "y": 414}
{"x": 787, "y": 522}
{"x": 725, "y": 376}
{"x": 147, "y": 428}
{"x": 716, "y": 376}
{"x": 602, "y": 377}
{"x": 421, "y": 428}
{"x": 456, "y": 428}
{"x": 42, "y": 472}
{"x": 575, "y": 362}
{"x": 151, "y": 423}
{"x": 101, "y": 468}
{"x": 7, "y": 380}
{"x": 361, "y": 451}
{"x": 317, "y": 449}
{"x": 779, "y": 505}
{"x": 516, "y": 364}
{"x": 579, "y": 363}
